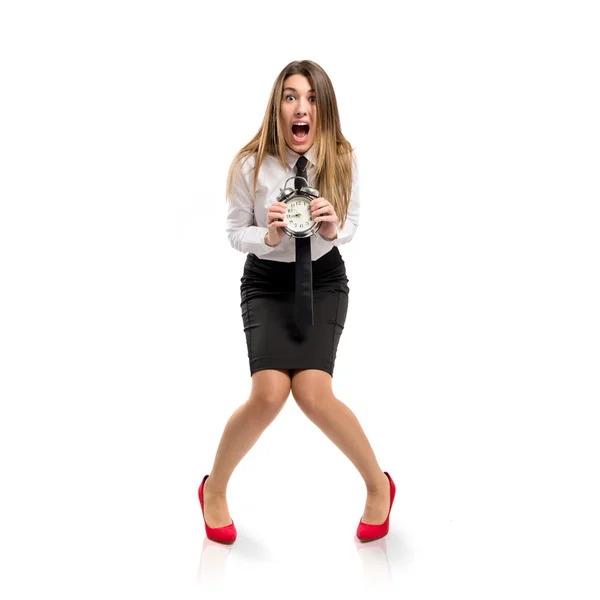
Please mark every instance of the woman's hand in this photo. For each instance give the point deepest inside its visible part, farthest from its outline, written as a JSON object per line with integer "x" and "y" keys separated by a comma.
{"x": 275, "y": 223}
{"x": 323, "y": 212}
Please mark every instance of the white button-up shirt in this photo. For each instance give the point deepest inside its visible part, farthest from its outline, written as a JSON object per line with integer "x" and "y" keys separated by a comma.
{"x": 247, "y": 221}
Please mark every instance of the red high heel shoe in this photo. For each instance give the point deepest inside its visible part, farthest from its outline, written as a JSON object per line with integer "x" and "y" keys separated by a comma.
{"x": 367, "y": 532}
{"x": 224, "y": 535}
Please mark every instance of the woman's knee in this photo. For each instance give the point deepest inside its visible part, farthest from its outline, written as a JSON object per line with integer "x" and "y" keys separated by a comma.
{"x": 312, "y": 396}
{"x": 270, "y": 389}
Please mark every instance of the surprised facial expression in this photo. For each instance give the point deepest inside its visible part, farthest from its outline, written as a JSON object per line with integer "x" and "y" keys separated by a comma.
{"x": 298, "y": 113}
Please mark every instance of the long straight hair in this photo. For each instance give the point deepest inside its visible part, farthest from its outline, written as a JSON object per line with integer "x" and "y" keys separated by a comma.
{"x": 332, "y": 152}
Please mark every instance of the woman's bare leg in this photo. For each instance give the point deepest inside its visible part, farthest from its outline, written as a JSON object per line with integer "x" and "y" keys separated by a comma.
{"x": 270, "y": 390}
{"x": 313, "y": 392}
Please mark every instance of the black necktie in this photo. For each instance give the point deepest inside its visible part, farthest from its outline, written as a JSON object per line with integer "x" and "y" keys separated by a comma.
{"x": 304, "y": 295}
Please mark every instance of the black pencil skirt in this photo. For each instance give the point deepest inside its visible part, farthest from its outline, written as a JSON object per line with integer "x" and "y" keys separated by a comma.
{"x": 268, "y": 313}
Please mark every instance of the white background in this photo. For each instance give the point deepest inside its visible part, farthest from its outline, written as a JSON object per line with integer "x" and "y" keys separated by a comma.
{"x": 471, "y": 349}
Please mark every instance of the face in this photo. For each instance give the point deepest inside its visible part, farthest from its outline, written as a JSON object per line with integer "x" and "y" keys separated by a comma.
{"x": 298, "y": 113}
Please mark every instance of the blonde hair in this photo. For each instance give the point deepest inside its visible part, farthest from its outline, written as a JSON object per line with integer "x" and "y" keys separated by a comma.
{"x": 332, "y": 153}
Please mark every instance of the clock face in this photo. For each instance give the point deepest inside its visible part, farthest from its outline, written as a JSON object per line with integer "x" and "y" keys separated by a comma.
{"x": 298, "y": 215}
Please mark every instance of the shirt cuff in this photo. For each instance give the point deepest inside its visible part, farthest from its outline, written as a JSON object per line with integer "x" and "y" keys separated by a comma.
{"x": 345, "y": 234}
{"x": 264, "y": 247}
{"x": 337, "y": 235}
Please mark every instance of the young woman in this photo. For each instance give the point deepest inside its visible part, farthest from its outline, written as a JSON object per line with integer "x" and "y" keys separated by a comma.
{"x": 294, "y": 291}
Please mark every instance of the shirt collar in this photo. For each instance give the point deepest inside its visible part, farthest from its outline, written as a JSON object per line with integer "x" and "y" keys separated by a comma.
{"x": 291, "y": 157}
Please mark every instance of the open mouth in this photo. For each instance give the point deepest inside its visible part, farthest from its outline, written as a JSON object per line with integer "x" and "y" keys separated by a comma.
{"x": 300, "y": 131}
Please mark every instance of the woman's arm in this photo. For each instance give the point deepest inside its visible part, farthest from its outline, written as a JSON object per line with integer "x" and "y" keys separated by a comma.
{"x": 244, "y": 235}
{"x": 346, "y": 233}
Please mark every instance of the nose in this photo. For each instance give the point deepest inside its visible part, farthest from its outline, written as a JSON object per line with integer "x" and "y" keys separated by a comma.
{"x": 301, "y": 109}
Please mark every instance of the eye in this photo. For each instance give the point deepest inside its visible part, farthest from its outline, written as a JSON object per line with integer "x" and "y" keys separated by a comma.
{"x": 313, "y": 99}
{"x": 289, "y": 97}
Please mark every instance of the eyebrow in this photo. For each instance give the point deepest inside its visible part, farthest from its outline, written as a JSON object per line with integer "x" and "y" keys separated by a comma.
{"x": 291, "y": 89}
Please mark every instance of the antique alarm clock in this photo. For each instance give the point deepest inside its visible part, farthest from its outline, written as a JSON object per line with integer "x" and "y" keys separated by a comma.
{"x": 298, "y": 215}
